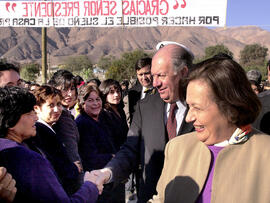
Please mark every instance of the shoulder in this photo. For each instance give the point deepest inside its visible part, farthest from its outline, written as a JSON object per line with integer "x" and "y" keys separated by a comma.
{"x": 152, "y": 99}
{"x": 186, "y": 139}
{"x": 137, "y": 88}
{"x": 82, "y": 119}
{"x": 6, "y": 144}
{"x": 18, "y": 153}
{"x": 259, "y": 138}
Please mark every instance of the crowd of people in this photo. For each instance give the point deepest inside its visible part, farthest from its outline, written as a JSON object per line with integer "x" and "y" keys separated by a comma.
{"x": 183, "y": 133}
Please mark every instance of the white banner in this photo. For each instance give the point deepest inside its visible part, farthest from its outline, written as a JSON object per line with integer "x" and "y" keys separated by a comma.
{"x": 111, "y": 13}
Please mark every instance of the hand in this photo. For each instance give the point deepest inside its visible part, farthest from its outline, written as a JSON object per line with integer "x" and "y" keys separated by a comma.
{"x": 92, "y": 178}
{"x": 102, "y": 176}
{"x": 7, "y": 185}
{"x": 79, "y": 166}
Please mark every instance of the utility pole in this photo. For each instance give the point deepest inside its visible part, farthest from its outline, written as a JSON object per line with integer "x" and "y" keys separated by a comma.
{"x": 44, "y": 55}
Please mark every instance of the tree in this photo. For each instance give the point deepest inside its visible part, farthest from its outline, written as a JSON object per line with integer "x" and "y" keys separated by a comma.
{"x": 123, "y": 68}
{"x": 79, "y": 65}
{"x": 105, "y": 62}
{"x": 214, "y": 50}
{"x": 253, "y": 54}
{"x": 30, "y": 71}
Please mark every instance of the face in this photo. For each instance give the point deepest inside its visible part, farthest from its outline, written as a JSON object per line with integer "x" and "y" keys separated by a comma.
{"x": 211, "y": 126}
{"x": 114, "y": 96}
{"x": 50, "y": 111}
{"x": 144, "y": 76}
{"x": 69, "y": 96}
{"x": 25, "y": 127}
{"x": 9, "y": 78}
{"x": 165, "y": 79}
{"x": 92, "y": 105}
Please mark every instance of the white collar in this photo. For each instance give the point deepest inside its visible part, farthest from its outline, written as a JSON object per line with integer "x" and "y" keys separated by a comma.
{"x": 46, "y": 124}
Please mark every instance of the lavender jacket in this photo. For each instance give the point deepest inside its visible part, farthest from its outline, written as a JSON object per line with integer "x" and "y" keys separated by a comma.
{"x": 35, "y": 178}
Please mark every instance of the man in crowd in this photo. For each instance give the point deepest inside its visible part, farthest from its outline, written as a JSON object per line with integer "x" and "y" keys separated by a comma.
{"x": 158, "y": 118}
{"x": 9, "y": 75}
{"x": 143, "y": 86}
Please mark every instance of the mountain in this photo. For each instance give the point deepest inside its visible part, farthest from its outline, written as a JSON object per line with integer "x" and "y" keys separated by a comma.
{"x": 24, "y": 44}
{"x": 248, "y": 35}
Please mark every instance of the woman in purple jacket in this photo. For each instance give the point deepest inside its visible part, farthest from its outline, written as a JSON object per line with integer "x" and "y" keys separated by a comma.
{"x": 35, "y": 177}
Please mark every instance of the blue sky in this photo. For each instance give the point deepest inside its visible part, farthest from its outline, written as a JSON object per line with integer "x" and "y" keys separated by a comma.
{"x": 248, "y": 12}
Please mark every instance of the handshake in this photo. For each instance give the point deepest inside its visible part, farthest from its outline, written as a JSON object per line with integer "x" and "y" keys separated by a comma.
{"x": 99, "y": 177}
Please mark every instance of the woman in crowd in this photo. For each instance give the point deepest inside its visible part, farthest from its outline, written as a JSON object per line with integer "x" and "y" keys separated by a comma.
{"x": 224, "y": 160}
{"x": 95, "y": 147}
{"x": 35, "y": 177}
{"x": 113, "y": 115}
{"x": 66, "y": 83}
{"x": 49, "y": 109}
{"x": 65, "y": 127}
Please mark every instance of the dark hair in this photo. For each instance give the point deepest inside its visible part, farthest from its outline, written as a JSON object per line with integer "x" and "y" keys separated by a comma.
{"x": 63, "y": 79}
{"x": 94, "y": 81}
{"x": 14, "y": 102}
{"x": 44, "y": 92}
{"x": 84, "y": 92}
{"x": 8, "y": 66}
{"x": 125, "y": 83}
{"x": 231, "y": 89}
{"x": 105, "y": 87}
{"x": 268, "y": 64}
{"x": 147, "y": 61}
{"x": 222, "y": 55}
{"x": 78, "y": 80}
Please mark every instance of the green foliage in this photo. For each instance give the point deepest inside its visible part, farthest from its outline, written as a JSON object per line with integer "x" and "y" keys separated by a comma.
{"x": 123, "y": 68}
{"x": 253, "y": 55}
{"x": 79, "y": 65}
{"x": 214, "y": 50}
{"x": 87, "y": 73}
{"x": 105, "y": 62}
{"x": 30, "y": 71}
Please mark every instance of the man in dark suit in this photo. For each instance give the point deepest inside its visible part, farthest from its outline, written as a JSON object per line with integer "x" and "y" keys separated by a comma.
{"x": 143, "y": 86}
{"x": 147, "y": 135}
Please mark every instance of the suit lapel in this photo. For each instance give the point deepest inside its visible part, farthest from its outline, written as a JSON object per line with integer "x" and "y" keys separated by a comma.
{"x": 185, "y": 127}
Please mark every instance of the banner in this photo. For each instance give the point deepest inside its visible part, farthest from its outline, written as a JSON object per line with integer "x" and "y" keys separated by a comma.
{"x": 111, "y": 13}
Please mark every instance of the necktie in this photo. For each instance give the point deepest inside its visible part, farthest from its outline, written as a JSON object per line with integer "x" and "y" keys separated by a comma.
{"x": 172, "y": 123}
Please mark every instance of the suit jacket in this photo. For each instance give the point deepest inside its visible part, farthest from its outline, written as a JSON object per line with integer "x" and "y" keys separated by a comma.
{"x": 263, "y": 120}
{"x": 240, "y": 173}
{"x": 134, "y": 95}
{"x": 145, "y": 145}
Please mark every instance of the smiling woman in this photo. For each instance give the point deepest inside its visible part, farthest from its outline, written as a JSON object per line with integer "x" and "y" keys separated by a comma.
{"x": 227, "y": 152}
{"x": 34, "y": 175}
{"x": 95, "y": 147}
{"x": 47, "y": 141}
